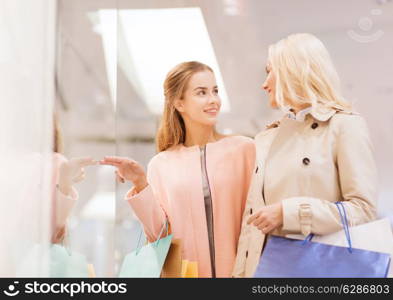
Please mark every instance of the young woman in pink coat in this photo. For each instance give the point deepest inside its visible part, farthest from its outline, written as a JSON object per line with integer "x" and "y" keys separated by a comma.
{"x": 199, "y": 179}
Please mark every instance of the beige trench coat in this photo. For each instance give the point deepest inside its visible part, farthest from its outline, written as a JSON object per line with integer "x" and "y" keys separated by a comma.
{"x": 308, "y": 166}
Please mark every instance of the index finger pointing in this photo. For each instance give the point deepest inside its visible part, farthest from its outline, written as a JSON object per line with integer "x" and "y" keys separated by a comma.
{"x": 114, "y": 159}
{"x": 85, "y": 161}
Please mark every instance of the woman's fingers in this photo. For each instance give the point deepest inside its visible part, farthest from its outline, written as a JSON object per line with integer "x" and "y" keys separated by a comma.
{"x": 266, "y": 229}
{"x": 86, "y": 161}
{"x": 263, "y": 224}
{"x": 82, "y": 172}
{"x": 80, "y": 176}
{"x": 256, "y": 218}
{"x": 114, "y": 159}
{"x": 118, "y": 160}
{"x": 253, "y": 218}
{"x": 112, "y": 162}
{"x": 260, "y": 221}
{"x": 83, "y": 162}
{"x": 119, "y": 178}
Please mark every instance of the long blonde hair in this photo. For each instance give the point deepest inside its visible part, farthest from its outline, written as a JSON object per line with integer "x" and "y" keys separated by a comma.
{"x": 305, "y": 73}
{"x": 172, "y": 130}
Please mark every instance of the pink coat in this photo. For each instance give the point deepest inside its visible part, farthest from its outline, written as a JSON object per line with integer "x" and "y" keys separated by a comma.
{"x": 175, "y": 189}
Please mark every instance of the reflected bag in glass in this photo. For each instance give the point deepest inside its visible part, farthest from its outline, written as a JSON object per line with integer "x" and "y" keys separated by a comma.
{"x": 284, "y": 257}
{"x": 65, "y": 263}
{"x": 148, "y": 260}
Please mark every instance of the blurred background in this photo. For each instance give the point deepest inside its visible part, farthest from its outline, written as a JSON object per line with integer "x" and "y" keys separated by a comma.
{"x": 104, "y": 62}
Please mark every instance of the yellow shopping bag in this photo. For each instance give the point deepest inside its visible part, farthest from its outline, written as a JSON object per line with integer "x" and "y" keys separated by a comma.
{"x": 175, "y": 266}
{"x": 189, "y": 269}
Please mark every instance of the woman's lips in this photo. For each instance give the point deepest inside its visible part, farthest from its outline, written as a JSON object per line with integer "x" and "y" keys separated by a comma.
{"x": 211, "y": 112}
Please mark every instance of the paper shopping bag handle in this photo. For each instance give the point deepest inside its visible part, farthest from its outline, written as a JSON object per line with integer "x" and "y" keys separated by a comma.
{"x": 138, "y": 247}
{"x": 344, "y": 221}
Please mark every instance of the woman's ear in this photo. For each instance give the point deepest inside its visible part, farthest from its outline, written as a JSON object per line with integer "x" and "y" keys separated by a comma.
{"x": 179, "y": 105}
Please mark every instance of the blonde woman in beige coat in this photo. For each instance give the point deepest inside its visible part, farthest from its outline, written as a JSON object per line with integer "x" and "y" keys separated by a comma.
{"x": 319, "y": 153}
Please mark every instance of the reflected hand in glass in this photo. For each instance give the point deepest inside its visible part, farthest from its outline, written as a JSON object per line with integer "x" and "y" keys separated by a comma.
{"x": 72, "y": 171}
{"x": 69, "y": 172}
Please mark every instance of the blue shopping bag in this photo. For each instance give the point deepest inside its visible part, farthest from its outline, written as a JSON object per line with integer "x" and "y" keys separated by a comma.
{"x": 284, "y": 257}
{"x": 148, "y": 260}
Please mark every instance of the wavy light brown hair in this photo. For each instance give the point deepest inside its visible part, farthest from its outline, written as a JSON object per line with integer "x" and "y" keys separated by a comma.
{"x": 172, "y": 131}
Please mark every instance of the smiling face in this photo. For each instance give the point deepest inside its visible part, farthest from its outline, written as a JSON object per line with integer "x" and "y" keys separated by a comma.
{"x": 201, "y": 103}
{"x": 270, "y": 86}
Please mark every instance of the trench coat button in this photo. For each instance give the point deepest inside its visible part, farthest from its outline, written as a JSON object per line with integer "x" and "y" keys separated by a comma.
{"x": 306, "y": 161}
{"x": 314, "y": 125}
{"x": 256, "y": 170}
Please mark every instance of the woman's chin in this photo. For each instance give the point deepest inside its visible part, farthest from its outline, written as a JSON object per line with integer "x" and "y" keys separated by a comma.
{"x": 211, "y": 121}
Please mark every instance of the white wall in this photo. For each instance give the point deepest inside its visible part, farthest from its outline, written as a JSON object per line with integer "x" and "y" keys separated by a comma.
{"x": 26, "y": 98}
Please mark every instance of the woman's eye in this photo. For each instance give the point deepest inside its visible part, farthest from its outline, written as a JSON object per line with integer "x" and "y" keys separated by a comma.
{"x": 202, "y": 93}
{"x": 215, "y": 92}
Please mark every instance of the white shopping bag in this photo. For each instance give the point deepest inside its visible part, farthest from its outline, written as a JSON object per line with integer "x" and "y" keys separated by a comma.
{"x": 374, "y": 236}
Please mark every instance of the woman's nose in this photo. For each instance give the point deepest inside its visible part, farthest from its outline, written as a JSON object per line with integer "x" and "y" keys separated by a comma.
{"x": 264, "y": 85}
{"x": 213, "y": 99}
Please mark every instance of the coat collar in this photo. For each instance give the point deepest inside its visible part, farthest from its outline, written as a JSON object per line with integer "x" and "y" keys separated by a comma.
{"x": 318, "y": 112}
{"x": 299, "y": 116}
{"x": 324, "y": 113}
